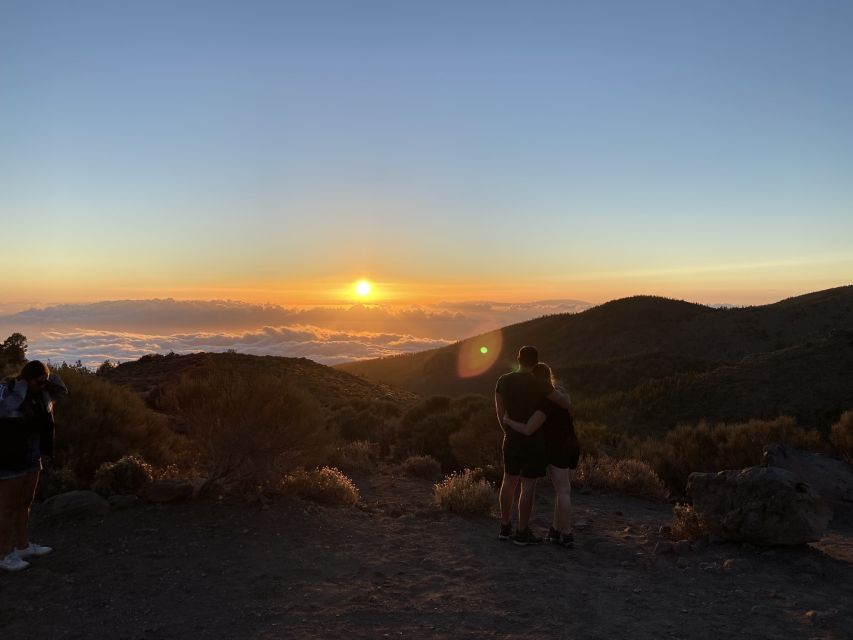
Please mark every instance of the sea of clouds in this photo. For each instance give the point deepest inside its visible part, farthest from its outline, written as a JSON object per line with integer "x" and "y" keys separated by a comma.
{"x": 128, "y": 329}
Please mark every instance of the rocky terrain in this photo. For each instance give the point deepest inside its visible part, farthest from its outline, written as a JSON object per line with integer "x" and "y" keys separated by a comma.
{"x": 397, "y": 566}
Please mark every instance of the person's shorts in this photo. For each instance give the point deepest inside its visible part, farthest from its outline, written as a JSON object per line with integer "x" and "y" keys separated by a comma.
{"x": 33, "y": 461}
{"x": 524, "y": 457}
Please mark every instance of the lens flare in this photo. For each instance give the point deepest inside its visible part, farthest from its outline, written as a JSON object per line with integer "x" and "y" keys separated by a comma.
{"x": 478, "y": 355}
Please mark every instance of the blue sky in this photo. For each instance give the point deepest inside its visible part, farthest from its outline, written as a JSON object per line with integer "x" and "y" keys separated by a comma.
{"x": 274, "y": 151}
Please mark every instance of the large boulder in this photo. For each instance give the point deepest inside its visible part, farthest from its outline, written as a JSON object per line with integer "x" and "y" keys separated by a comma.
{"x": 759, "y": 505}
{"x": 830, "y": 477}
{"x": 74, "y": 504}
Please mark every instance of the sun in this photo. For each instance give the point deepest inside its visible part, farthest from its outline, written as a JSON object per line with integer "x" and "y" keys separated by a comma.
{"x": 363, "y": 288}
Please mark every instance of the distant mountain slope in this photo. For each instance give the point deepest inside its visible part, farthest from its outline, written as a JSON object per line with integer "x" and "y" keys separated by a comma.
{"x": 620, "y": 345}
{"x": 330, "y": 386}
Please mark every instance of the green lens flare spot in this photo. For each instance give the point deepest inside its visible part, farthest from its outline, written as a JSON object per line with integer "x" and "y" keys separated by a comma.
{"x": 484, "y": 350}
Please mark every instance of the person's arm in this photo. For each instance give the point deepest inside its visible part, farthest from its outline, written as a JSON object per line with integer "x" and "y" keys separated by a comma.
{"x": 12, "y": 400}
{"x": 500, "y": 407}
{"x": 529, "y": 427}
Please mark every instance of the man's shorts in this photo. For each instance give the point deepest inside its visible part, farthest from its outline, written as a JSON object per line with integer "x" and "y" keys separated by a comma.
{"x": 524, "y": 456}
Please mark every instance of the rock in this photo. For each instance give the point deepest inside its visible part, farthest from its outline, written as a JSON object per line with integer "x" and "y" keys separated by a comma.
{"x": 75, "y": 504}
{"x": 760, "y": 610}
{"x": 767, "y": 506}
{"x": 123, "y": 501}
{"x": 169, "y": 490}
{"x": 663, "y": 547}
{"x": 682, "y": 547}
{"x": 737, "y": 565}
{"x": 830, "y": 477}
{"x": 682, "y": 562}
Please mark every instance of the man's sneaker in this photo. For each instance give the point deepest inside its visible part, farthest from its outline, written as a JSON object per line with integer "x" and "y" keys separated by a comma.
{"x": 33, "y": 551}
{"x": 553, "y": 536}
{"x": 12, "y": 562}
{"x": 506, "y": 532}
{"x": 568, "y": 541}
{"x": 524, "y": 538}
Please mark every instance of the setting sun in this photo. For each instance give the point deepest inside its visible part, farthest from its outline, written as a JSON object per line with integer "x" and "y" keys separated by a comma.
{"x": 363, "y": 288}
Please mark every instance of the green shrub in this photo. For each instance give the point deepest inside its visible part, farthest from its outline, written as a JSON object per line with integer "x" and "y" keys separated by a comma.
{"x": 128, "y": 475}
{"x": 422, "y": 467}
{"x": 358, "y": 456}
{"x": 708, "y": 448}
{"x": 632, "y": 477}
{"x": 841, "y": 435}
{"x": 101, "y": 422}
{"x": 327, "y": 486}
{"x": 247, "y": 428}
{"x": 465, "y": 492}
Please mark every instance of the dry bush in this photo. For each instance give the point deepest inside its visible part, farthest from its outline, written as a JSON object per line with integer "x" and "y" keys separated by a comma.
{"x": 708, "y": 448}
{"x": 633, "y": 477}
{"x": 687, "y": 524}
{"x": 128, "y": 475}
{"x": 327, "y": 486}
{"x": 465, "y": 492}
{"x": 55, "y": 481}
{"x": 100, "y": 422}
{"x": 595, "y": 438}
{"x": 357, "y": 457}
{"x": 841, "y": 435}
{"x": 422, "y": 467}
{"x": 246, "y": 428}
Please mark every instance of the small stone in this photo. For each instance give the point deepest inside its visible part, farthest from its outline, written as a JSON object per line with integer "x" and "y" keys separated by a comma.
{"x": 759, "y": 610}
{"x": 663, "y": 547}
{"x": 683, "y": 562}
{"x": 737, "y": 565}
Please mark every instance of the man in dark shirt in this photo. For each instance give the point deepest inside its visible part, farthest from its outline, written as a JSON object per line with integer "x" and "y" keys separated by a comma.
{"x": 519, "y": 394}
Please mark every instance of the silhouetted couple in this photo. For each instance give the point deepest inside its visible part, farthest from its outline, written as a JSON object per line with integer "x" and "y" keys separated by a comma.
{"x": 539, "y": 438}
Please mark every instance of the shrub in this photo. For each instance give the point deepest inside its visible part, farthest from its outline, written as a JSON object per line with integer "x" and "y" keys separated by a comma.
{"x": 633, "y": 477}
{"x": 686, "y": 523}
{"x": 465, "y": 493}
{"x": 841, "y": 435}
{"x": 57, "y": 481}
{"x": 595, "y": 438}
{"x": 101, "y": 422}
{"x": 128, "y": 475}
{"x": 422, "y": 467}
{"x": 326, "y": 486}
{"x": 371, "y": 420}
{"x": 358, "y": 456}
{"x": 245, "y": 427}
{"x": 708, "y": 448}
{"x": 478, "y": 441}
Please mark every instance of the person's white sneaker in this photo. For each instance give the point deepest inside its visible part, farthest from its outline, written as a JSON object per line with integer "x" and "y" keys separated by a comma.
{"x": 13, "y": 562}
{"x": 33, "y": 551}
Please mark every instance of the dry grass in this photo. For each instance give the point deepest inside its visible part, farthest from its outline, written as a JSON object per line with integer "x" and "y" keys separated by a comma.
{"x": 841, "y": 435}
{"x": 422, "y": 467}
{"x": 326, "y": 485}
{"x": 128, "y": 475}
{"x": 687, "y": 524}
{"x": 357, "y": 457}
{"x": 465, "y": 492}
{"x": 633, "y": 477}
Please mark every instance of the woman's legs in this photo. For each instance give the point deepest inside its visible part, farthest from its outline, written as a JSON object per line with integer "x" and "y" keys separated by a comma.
{"x": 10, "y": 497}
{"x": 27, "y": 495}
{"x": 563, "y": 502}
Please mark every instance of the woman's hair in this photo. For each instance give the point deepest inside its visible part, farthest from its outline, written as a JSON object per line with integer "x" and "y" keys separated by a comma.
{"x": 33, "y": 369}
{"x": 542, "y": 370}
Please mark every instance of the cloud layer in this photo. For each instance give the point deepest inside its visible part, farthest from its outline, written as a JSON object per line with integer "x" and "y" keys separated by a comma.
{"x": 128, "y": 329}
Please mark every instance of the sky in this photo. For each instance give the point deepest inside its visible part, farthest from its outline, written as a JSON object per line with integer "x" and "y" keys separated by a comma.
{"x": 278, "y": 152}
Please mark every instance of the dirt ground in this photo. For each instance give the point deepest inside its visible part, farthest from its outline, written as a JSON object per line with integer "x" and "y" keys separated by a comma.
{"x": 397, "y": 567}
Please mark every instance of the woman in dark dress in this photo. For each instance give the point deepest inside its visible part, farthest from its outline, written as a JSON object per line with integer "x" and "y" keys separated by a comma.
{"x": 26, "y": 433}
{"x": 562, "y": 452}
